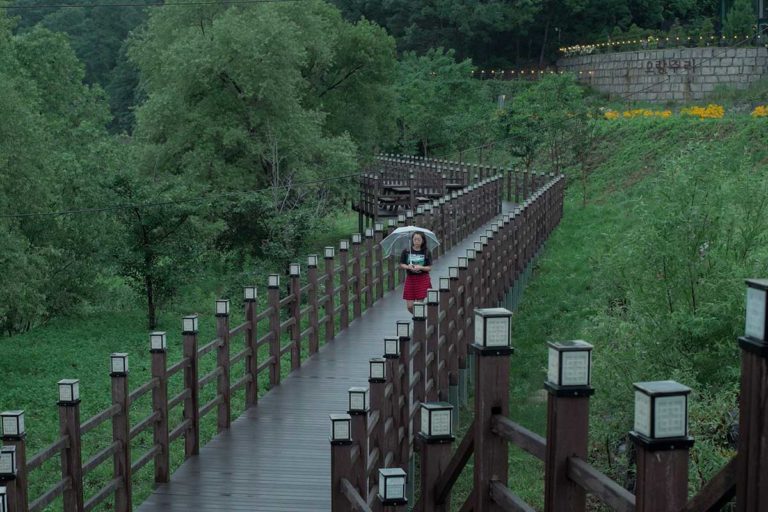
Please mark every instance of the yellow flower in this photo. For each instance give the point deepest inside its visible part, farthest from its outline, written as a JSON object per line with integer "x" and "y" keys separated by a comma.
{"x": 760, "y": 111}
{"x": 611, "y": 115}
{"x": 711, "y": 111}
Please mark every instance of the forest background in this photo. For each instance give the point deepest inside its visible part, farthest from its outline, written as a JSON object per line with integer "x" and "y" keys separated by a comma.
{"x": 153, "y": 159}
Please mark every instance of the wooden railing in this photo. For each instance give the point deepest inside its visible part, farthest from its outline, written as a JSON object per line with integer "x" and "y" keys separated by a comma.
{"x": 394, "y": 184}
{"x": 444, "y": 343}
{"x": 349, "y": 282}
{"x": 431, "y": 364}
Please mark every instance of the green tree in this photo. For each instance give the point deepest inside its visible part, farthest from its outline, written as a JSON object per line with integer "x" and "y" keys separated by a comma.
{"x": 740, "y": 20}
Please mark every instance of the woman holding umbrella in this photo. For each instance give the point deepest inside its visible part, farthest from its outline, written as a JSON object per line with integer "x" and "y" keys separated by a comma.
{"x": 417, "y": 262}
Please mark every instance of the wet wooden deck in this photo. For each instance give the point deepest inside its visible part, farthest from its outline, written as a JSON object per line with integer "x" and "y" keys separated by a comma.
{"x": 276, "y": 456}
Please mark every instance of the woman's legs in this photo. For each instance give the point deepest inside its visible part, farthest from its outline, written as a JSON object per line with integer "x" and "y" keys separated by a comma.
{"x": 409, "y": 305}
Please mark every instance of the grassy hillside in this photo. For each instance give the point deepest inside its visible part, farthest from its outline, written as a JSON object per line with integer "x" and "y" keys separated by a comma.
{"x": 648, "y": 265}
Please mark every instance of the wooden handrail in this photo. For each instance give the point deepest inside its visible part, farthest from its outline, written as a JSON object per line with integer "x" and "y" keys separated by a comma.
{"x": 599, "y": 485}
{"x": 139, "y": 392}
{"x": 46, "y": 453}
{"x": 355, "y": 500}
{"x": 98, "y": 419}
{"x": 240, "y": 328}
{"x": 718, "y": 491}
{"x": 508, "y": 500}
{"x": 103, "y": 494}
{"x": 208, "y": 347}
{"x": 456, "y": 465}
{"x": 144, "y": 424}
{"x": 100, "y": 457}
{"x": 175, "y": 368}
{"x": 51, "y": 494}
{"x": 518, "y": 435}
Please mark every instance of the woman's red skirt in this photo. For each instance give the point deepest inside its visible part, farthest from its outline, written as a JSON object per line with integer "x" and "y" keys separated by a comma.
{"x": 416, "y": 286}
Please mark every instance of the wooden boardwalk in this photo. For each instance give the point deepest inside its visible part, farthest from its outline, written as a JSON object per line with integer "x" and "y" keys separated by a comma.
{"x": 276, "y": 456}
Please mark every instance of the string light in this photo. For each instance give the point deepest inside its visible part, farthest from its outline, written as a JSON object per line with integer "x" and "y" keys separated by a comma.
{"x": 586, "y": 48}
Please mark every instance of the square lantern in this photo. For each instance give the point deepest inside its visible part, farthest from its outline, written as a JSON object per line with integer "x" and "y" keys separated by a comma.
{"x": 445, "y": 284}
{"x": 436, "y": 203}
{"x": 436, "y": 420}
{"x": 403, "y": 329}
{"x": 408, "y": 214}
{"x": 757, "y": 309}
{"x": 493, "y": 328}
{"x": 273, "y": 281}
{"x": 478, "y": 246}
{"x": 661, "y": 409}
{"x": 489, "y": 234}
{"x": 344, "y": 245}
{"x": 453, "y": 195}
{"x": 433, "y": 296}
{"x": 357, "y": 238}
{"x": 312, "y": 261}
{"x": 341, "y": 428}
{"x": 419, "y": 310}
{"x": 158, "y": 341}
{"x": 189, "y": 324}
{"x": 471, "y": 254}
{"x": 368, "y": 232}
{"x": 329, "y": 252}
{"x": 453, "y": 272}
{"x": 8, "y": 461}
{"x": 294, "y": 269}
{"x": 462, "y": 262}
{"x": 378, "y": 227}
{"x": 3, "y": 499}
{"x": 222, "y": 307}
{"x": 419, "y": 210}
{"x": 400, "y": 217}
{"x": 570, "y": 363}
{"x": 495, "y": 227}
{"x": 358, "y": 400}
{"x": 377, "y": 369}
{"x": 250, "y": 293}
{"x": 69, "y": 391}
{"x": 118, "y": 363}
{"x": 392, "y": 223}
{"x": 483, "y": 239}
{"x": 505, "y": 218}
{"x": 13, "y": 423}
{"x": 392, "y": 486}
{"x": 391, "y": 347}
{"x": 428, "y": 207}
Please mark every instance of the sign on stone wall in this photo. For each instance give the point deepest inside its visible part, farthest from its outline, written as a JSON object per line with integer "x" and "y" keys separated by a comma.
{"x": 664, "y": 66}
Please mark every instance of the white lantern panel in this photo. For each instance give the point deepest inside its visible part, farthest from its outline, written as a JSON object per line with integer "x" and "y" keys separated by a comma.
{"x": 441, "y": 422}
{"x": 479, "y": 329}
{"x": 395, "y": 488}
{"x": 377, "y": 370}
{"x": 553, "y": 364}
{"x": 642, "y": 413}
{"x": 445, "y": 283}
{"x": 419, "y": 311}
{"x": 670, "y": 416}
{"x": 341, "y": 429}
{"x": 6, "y": 463}
{"x": 13, "y": 423}
{"x": 425, "y": 420}
{"x": 755, "y": 326}
{"x": 453, "y": 272}
{"x": 575, "y": 370}
{"x": 357, "y": 401}
{"x": 497, "y": 332}
{"x": 119, "y": 363}
{"x": 403, "y": 329}
{"x": 390, "y": 345}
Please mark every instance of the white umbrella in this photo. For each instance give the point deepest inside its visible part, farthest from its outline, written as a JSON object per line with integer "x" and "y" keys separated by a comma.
{"x": 400, "y": 239}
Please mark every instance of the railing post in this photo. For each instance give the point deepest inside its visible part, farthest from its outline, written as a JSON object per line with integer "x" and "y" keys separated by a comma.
{"x": 752, "y": 465}
{"x": 9, "y": 493}
{"x": 251, "y": 360}
{"x": 433, "y": 354}
{"x": 71, "y": 456}
{"x": 358, "y": 410}
{"x": 344, "y": 282}
{"x": 224, "y": 410}
{"x": 419, "y": 359}
{"x": 391, "y": 272}
{"x": 444, "y": 341}
{"x": 369, "y": 267}
{"x": 376, "y": 384}
{"x": 357, "y": 275}
{"x": 192, "y": 401}
{"x": 662, "y": 443}
{"x": 404, "y": 375}
{"x": 568, "y": 387}
{"x": 158, "y": 353}
{"x": 378, "y": 229}
{"x": 492, "y": 353}
{"x": 121, "y": 429}
{"x": 273, "y": 299}
{"x": 314, "y": 304}
{"x": 435, "y": 447}
{"x": 341, "y": 460}
{"x": 14, "y": 434}
{"x": 294, "y": 271}
{"x": 330, "y": 287}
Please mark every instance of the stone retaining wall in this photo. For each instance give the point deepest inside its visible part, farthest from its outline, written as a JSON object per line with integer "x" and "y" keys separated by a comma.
{"x": 681, "y": 74}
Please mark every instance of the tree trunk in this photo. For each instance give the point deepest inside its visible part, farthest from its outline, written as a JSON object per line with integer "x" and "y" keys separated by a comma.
{"x": 544, "y": 43}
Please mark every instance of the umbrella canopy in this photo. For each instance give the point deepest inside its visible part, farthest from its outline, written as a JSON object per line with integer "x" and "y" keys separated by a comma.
{"x": 400, "y": 240}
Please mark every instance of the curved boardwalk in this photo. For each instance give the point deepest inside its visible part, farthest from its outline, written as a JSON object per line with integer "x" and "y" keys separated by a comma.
{"x": 276, "y": 456}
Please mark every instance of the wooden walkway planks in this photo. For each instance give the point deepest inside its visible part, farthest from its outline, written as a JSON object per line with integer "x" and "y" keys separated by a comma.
{"x": 276, "y": 456}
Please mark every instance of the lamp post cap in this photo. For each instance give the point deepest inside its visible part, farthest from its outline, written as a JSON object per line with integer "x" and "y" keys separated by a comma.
{"x": 662, "y": 387}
